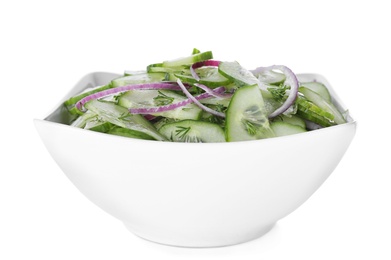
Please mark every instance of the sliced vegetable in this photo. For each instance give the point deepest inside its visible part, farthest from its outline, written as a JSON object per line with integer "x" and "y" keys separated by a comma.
{"x": 234, "y": 71}
{"x": 189, "y": 60}
{"x": 193, "y": 99}
{"x": 126, "y": 132}
{"x": 97, "y": 124}
{"x": 283, "y": 128}
{"x": 190, "y": 131}
{"x": 133, "y": 72}
{"x": 81, "y": 121}
{"x": 122, "y": 89}
{"x": 159, "y": 68}
{"x": 290, "y": 81}
{"x": 200, "y": 64}
{"x": 73, "y": 100}
{"x": 318, "y": 88}
{"x": 293, "y": 120}
{"x": 311, "y": 112}
{"x": 323, "y": 104}
{"x": 208, "y": 76}
{"x": 164, "y": 103}
{"x": 138, "y": 79}
{"x": 198, "y": 99}
{"x": 246, "y": 116}
{"x": 269, "y": 77}
{"x": 120, "y": 116}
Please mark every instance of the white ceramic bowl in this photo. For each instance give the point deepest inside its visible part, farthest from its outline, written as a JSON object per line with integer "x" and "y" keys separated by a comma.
{"x": 195, "y": 195}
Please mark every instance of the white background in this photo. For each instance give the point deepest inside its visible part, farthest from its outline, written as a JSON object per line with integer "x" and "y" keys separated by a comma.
{"x": 47, "y": 46}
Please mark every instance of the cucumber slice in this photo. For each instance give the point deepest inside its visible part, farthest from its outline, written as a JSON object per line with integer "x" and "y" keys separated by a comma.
{"x": 246, "y": 116}
{"x": 129, "y": 133}
{"x": 191, "y": 131}
{"x": 73, "y": 100}
{"x": 158, "y": 67}
{"x": 319, "y": 88}
{"x": 293, "y": 120}
{"x": 270, "y": 77}
{"x": 216, "y": 101}
{"x": 82, "y": 120}
{"x": 133, "y": 72}
{"x": 154, "y": 65}
{"x": 161, "y": 122}
{"x": 323, "y": 104}
{"x": 155, "y": 98}
{"x": 209, "y": 76}
{"x": 311, "y": 112}
{"x": 234, "y": 71}
{"x": 120, "y": 116}
{"x": 138, "y": 79}
{"x": 171, "y": 77}
{"x": 208, "y": 117}
{"x": 98, "y": 125}
{"x": 189, "y": 60}
{"x": 283, "y": 128}
{"x": 270, "y": 103}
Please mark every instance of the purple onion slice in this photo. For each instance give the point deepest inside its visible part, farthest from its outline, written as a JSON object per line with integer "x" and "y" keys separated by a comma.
{"x": 290, "y": 80}
{"x": 111, "y": 91}
{"x": 198, "y": 103}
{"x": 200, "y": 64}
{"x": 153, "y": 110}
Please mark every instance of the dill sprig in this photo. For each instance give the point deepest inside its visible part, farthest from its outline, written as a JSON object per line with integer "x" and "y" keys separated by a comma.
{"x": 162, "y": 99}
{"x": 279, "y": 92}
{"x": 182, "y": 131}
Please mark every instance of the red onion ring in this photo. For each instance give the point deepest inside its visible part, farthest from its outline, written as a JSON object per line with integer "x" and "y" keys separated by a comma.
{"x": 195, "y": 101}
{"x": 153, "y": 110}
{"x": 149, "y": 117}
{"x": 111, "y": 91}
{"x": 213, "y": 92}
{"x": 200, "y": 64}
{"x": 290, "y": 80}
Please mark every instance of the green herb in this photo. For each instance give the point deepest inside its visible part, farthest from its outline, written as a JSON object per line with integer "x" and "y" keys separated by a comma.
{"x": 278, "y": 93}
{"x": 182, "y": 131}
{"x": 162, "y": 99}
{"x": 253, "y": 120}
{"x": 195, "y": 90}
{"x": 250, "y": 127}
{"x": 116, "y": 97}
{"x": 216, "y": 119}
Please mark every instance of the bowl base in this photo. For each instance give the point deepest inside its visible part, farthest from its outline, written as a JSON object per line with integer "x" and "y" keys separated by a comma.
{"x": 196, "y": 242}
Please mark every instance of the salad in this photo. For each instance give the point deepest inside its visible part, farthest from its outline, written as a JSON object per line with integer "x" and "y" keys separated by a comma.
{"x": 199, "y": 99}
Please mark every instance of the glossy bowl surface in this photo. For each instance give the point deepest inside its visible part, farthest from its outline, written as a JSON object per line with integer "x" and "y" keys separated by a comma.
{"x": 194, "y": 195}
